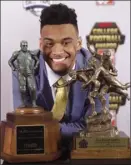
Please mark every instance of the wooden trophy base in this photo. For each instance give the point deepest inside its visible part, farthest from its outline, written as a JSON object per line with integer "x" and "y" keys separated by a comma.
{"x": 101, "y": 148}
{"x": 101, "y": 154}
{"x": 30, "y": 135}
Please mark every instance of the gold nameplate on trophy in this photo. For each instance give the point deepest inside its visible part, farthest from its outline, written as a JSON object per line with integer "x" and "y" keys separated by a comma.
{"x": 101, "y": 148}
{"x": 98, "y": 142}
{"x": 30, "y": 135}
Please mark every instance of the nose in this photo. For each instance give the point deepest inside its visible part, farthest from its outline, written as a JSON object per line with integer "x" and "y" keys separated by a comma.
{"x": 57, "y": 49}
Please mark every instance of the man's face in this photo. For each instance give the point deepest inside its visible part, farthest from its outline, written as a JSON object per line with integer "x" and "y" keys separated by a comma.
{"x": 60, "y": 43}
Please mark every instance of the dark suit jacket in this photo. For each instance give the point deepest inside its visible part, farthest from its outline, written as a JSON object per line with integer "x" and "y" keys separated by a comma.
{"x": 77, "y": 107}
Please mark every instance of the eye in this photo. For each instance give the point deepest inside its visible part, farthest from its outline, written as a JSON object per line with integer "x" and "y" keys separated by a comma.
{"x": 49, "y": 44}
{"x": 66, "y": 43}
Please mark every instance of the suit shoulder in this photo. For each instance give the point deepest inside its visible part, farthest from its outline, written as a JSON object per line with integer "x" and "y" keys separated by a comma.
{"x": 34, "y": 52}
{"x": 82, "y": 57}
{"x": 85, "y": 53}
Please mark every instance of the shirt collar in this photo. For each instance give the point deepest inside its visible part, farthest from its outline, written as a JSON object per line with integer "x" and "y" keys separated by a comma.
{"x": 53, "y": 77}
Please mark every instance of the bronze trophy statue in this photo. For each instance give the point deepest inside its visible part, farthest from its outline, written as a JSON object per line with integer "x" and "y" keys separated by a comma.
{"x": 100, "y": 139}
{"x": 25, "y": 69}
{"x": 28, "y": 133}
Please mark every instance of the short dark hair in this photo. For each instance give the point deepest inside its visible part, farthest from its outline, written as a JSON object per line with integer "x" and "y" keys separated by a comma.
{"x": 57, "y": 14}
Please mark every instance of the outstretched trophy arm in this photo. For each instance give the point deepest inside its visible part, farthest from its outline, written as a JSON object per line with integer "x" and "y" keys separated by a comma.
{"x": 93, "y": 52}
{"x": 12, "y": 59}
{"x": 85, "y": 69}
{"x": 37, "y": 61}
{"x": 34, "y": 56}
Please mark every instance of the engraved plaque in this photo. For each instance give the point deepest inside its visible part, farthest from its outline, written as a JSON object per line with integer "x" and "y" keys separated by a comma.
{"x": 30, "y": 139}
{"x": 102, "y": 142}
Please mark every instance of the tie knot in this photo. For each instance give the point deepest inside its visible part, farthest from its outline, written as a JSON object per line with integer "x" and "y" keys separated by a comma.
{"x": 61, "y": 81}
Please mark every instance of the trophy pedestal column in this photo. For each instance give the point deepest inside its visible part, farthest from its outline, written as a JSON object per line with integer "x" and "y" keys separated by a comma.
{"x": 30, "y": 135}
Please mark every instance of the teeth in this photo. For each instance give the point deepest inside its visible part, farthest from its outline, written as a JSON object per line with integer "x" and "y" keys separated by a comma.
{"x": 58, "y": 60}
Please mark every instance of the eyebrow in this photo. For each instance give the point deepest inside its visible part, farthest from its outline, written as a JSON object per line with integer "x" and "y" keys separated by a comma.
{"x": 48, "y": 39}
{"x": 64, "y": 39}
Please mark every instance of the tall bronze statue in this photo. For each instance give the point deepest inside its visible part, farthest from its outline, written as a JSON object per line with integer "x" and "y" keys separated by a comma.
{"x": 25, "y": 62}
{"x": 104, "y": 79}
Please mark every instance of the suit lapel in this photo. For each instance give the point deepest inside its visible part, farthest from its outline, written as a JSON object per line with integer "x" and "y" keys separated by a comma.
{"x": 44, "y": 94}
{"x": 76, "y": 98}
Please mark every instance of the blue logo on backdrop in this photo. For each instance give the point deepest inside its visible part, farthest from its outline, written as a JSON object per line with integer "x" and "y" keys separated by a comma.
{"x": 35, "y": 7}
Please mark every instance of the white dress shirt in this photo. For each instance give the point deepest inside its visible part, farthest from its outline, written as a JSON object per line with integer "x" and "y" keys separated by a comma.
{"x": 53, "y": 78}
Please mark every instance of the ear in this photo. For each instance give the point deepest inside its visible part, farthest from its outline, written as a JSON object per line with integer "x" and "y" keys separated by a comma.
{"x": 79, "y": 44}
{"x": 40, "y": 45}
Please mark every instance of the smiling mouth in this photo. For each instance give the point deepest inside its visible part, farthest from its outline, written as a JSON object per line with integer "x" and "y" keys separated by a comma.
{"x": 58, "y": 59}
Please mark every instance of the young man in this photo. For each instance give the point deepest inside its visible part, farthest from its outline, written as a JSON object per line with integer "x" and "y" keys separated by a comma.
{"x": 60, "y": 51}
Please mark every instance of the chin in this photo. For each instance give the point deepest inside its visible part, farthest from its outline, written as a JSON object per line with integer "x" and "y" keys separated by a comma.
{"x": 60, "y": 72}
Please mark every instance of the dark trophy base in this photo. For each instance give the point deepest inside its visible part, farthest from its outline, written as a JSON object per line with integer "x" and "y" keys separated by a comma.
{"x": 101, "y": 141}
{"x": 30, "y": 135}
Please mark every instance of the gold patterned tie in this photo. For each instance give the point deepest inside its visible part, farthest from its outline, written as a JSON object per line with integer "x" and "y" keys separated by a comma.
{"x": 60, "y": 103}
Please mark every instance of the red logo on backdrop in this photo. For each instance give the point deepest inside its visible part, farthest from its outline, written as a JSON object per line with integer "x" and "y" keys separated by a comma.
{"x": 106, "y": 35}
{"x": 104, "y": 2}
